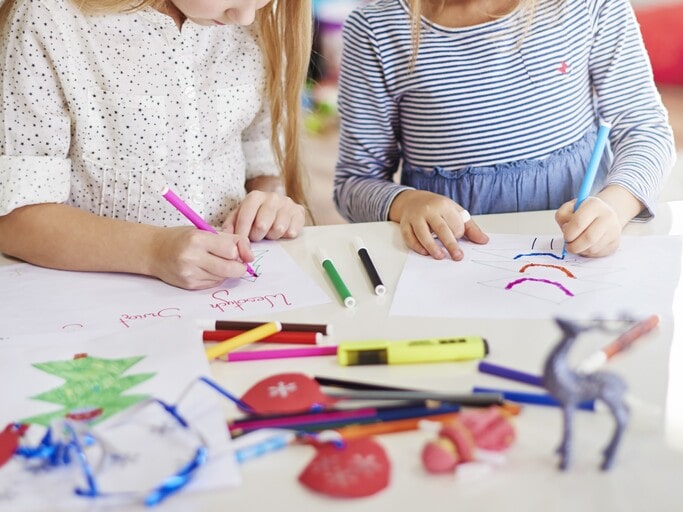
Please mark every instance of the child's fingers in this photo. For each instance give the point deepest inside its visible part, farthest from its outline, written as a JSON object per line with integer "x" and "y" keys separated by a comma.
{"x": 425, "y": 237}
{"x": 474, "y": 233}
{"x": 411, "y": 240}
{"x": 263, "y": 223}
{"x": 285, "y": 222}
{"x": 576, "y": 223}
{"x": 245, "y": 215}
{"x": 599, "y": 239}
{"x": 447, "y": 230}
{"x": 220, "y": 268}
{"x": 228, "y": 225}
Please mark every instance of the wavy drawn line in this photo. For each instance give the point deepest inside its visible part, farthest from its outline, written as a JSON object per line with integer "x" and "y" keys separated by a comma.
{"x": 538, "y": 280}
{"x": 558, "y": 267}
{"x": 552, "y": 255}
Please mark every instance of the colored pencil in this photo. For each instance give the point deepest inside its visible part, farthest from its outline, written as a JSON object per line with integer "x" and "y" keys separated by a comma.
{"x": 350, "y": 384}
{"x": 472, "y": 400}
{"x": 336, "y": 418}
{"x": 240, "y": 340}
{"x": 295, "y": 338}
{"x": 193, "y": 217}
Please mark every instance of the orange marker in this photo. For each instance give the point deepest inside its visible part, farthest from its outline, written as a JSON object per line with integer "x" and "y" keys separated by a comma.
{"x": 390, "y": 427}
{"x": 624, "y": 341}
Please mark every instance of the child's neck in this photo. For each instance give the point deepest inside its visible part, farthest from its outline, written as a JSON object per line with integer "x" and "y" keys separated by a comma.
{"x": 467, "y": 13}
{"x": 171, "y": 10}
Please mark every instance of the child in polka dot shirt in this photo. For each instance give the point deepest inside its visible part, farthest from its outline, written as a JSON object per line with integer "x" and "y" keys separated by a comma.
{"x": 104, "y": 105}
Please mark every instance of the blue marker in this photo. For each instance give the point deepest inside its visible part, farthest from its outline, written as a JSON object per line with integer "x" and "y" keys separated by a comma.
{"x": 592, "y": 169}
{"x": 532, "y": 398}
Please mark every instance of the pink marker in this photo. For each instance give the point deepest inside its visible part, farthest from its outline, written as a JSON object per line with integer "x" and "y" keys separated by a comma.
{"x": 257, "y": 355}
{"x": 193, "y": 217}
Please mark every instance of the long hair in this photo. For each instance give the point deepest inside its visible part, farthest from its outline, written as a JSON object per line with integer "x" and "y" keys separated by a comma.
{"x": 285, "y": 34}
{"x": 417, "y": 11}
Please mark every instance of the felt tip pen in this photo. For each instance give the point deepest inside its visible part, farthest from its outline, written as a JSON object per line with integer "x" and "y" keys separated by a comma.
{"x": 369, "y": 266}
{"x": 336, "y": 279}
{"x": 532, "y": 398}
{"x": 243, "y": 325}
{"x": 430, "y": 350}
{"x": 292, "y": 337}
{"x": 247, "y": 337}
{"x": 623, "y": 342}
{"x": 194, "y": 217}
{"x": 592, "y": 168}
{"x": 510, "y": 374}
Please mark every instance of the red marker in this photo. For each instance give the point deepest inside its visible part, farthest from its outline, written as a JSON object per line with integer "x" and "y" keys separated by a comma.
{"x": 294, "y": 337}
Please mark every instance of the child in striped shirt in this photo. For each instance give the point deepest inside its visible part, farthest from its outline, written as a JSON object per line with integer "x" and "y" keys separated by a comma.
{"x": 493, "y": 107}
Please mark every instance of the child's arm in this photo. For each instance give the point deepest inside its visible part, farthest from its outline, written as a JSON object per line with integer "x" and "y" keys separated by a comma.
{"x": 266, "y": 212}
{"x": 369, "y": 153}
{"x": 60, "y": 236}
{"x": 641, "y": 138}
{"x": 595, "y": 228}
{"x": 422, "y": 214}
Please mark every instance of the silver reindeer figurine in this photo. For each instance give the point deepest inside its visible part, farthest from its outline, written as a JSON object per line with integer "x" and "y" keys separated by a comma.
{"x": 569, "y": 387}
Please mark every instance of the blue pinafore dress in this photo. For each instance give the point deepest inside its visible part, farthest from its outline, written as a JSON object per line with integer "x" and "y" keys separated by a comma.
{"x": 524, "y": 185}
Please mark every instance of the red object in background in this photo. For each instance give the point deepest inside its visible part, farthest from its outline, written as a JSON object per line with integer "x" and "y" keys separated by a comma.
{"x": 662, "y": 29}
{"x": 286, "y": 393}
{"x": 357, "y": 469}
{"x": 9, "y": 441}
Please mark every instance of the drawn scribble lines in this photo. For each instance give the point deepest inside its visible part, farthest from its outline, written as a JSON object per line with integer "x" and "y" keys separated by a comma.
{"x": 551, "y": 254}
{"x": 558, "y": 267}
{"x": 511, "y": 284}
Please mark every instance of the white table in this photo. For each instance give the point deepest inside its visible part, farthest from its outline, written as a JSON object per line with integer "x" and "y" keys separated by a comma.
{"x": 649, "y": 465}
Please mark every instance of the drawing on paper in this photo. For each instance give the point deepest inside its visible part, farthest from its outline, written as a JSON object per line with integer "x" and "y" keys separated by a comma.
{"x": 93, "y": 388}
{"x": 547, "y": 272}
{"x": 257, "y": 264}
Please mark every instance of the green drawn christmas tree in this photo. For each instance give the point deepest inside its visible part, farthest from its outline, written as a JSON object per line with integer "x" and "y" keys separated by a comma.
{"x": 93, "y": 390}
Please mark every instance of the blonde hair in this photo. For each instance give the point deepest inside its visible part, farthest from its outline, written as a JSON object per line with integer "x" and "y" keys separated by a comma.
{"x": 285, "y": 33}
{"x": 417, "y": 11}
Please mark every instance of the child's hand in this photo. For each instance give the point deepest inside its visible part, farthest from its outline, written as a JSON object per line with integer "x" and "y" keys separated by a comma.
{"x": 266, "y": 215}
{"x": 194, "y": 259}
{"x": 424, "y": 214}
{"x": 594, "y": 230}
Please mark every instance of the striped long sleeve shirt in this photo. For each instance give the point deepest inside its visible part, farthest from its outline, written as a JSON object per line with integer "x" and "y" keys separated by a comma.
{"x": 477, "y": 97}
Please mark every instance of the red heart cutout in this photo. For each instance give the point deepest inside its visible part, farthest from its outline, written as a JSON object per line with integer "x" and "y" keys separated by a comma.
{"x": 285, "y": 393}
{"x": 358, "y": 468}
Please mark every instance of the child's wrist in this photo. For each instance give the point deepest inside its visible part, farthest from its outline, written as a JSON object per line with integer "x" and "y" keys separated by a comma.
{"x": 625, "y": 205}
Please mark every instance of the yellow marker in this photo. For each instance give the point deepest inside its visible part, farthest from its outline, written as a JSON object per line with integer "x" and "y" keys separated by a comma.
{"x": 250, "y": 336}
{"x": 432, "y": 350}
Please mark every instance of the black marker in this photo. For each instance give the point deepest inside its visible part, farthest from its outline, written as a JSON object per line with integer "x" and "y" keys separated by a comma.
{"x": 380, "y": 289}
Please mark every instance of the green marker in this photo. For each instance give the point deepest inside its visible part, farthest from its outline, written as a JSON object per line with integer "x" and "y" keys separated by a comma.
{"x": 336, "y": 279}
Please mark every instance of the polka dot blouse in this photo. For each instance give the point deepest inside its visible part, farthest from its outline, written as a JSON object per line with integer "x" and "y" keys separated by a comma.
{"x": 102, "y": 112}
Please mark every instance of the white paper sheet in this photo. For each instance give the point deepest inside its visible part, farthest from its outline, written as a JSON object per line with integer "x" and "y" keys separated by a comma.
{"x": 39, "y": 300}
{"x": 174, "y": 356}
{"x": 507, "y": 279}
